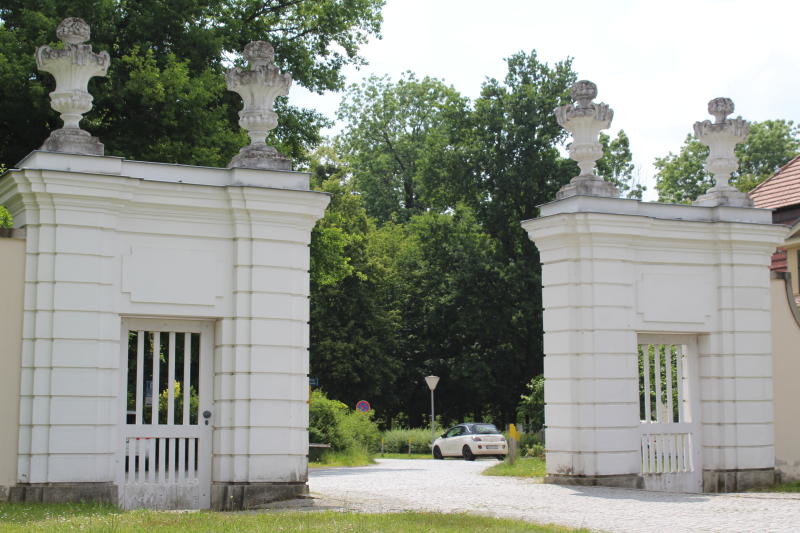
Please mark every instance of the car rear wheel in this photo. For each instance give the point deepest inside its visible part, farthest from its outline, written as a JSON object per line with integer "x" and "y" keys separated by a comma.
{"x": 437, "y": 453}
{"x": 467, "y": 453}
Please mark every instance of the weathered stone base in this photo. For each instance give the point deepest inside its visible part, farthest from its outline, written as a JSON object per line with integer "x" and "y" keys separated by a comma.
{"x": 737, "y": 480}
{"x": 728, "y": 196}
{"x": 587, "y": 185}
{"x": 628, "y": 481}
{"x": 73, "y": 141}
{"x": 241, "y": 496}
{"x": 64, "y": 493}
{"x": 262, "y": 157}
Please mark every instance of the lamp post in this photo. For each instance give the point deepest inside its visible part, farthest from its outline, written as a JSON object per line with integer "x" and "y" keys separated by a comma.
{"x": 432, "y": 381}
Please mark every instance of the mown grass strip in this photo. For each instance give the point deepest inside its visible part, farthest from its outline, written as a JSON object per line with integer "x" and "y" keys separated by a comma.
{"x": 352, "y": 457}
{"x": 522, "y": 467}
{"x": 404, "y": 456}
{"x": 91, "y": 518}
{"x": 792, "y": 486}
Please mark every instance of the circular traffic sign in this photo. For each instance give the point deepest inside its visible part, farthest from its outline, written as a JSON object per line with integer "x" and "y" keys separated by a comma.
{"x": 363, "y": 406}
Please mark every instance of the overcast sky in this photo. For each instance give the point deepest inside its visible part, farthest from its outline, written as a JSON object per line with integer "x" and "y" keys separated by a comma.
{"x": 656, "y": 63}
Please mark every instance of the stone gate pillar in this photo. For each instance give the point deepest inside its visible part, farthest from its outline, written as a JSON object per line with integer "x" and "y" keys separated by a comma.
{"x": 110, "y": 240}
{"x": 616, "y": 272}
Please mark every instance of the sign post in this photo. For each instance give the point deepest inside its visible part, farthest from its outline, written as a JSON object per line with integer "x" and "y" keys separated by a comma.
{"x": 432, "y": 381}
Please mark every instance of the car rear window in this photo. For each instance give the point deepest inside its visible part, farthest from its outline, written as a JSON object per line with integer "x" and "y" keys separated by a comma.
{"x": 484, "y": 429}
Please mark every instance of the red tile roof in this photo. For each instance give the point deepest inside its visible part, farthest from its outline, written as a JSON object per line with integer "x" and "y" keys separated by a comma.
{"x": 780, "y": 190}
{"x": 779, "y": 262}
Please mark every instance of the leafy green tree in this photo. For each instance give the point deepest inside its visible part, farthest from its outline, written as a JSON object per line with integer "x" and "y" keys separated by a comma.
{"x": 165, "y": 98}
{"x": 6, "y": 220}
{"x": 531, "y": 405}
{"x": 394, "y": 140}
{"x": 353, "y": 328}
{"x": 681, "y": 177}
{"x": 616, "y": 165}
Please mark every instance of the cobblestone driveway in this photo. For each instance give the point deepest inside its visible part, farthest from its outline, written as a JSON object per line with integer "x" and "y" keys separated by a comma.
{"x": 455, "y": 486}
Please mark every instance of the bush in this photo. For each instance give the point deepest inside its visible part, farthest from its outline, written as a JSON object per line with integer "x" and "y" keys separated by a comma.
{"x": 396, "y": 440}
{"x": 360, "y": 431}
{"x": 534, "y": 450}
{"x": 332, "y": 422}
{"x": 324, "y": 421}
{"x": 531, "y": 406}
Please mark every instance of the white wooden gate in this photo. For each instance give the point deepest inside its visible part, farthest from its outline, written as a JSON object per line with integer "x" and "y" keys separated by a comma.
{"x": 165, "y": 458}
{"x": 670, "y": 413}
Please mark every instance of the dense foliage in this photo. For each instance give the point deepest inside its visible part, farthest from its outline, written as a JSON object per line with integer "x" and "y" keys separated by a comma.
{"x": 426, "y": 269}
{"x": 681, "y": 177}
{"x": 332, "y": 422}
{"x": 165, "y": 98}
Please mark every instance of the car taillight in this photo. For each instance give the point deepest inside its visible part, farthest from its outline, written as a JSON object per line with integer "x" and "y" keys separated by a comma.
{"x": 476, "y": 438}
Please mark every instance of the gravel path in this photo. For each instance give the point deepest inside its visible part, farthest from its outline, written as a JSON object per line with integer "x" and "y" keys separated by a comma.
{"x": 454, "y": 486}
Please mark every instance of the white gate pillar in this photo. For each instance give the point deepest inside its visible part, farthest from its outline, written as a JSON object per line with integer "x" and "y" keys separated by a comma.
{"x": 614, "y": 269}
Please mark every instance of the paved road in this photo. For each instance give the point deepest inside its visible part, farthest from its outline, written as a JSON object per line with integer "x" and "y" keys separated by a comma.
{"x": 455, "y": 486}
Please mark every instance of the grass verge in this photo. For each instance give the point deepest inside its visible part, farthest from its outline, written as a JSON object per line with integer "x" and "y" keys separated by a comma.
{"x": 404, "y": 456}
{"x": 57, "y": 518}
{"x": 522, "y": 467}
{"x": 354, "y": 457}
{"x": 792, "y": 486}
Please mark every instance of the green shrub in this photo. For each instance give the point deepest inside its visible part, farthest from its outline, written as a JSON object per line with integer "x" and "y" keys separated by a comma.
{"x": 324, "y": 421}
{"x": 530, "y": 409}
{"x": 534, "y": 450}
{"x": 6, "y": 220}
{"x": 396, "y": 440}
{"x": 332, "y": 422}
{"x": 360, "y": 431}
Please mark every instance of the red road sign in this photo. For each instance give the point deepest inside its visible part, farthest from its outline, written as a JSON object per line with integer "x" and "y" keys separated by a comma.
{"x": 363, "y": 406}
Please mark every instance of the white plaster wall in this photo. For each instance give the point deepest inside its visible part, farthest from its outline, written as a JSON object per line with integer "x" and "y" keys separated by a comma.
{"x": 12, "y": 275}
{"x": 613, "y": 268}
{"x": 786, "y": 343}
{"x": 110, "y": 238}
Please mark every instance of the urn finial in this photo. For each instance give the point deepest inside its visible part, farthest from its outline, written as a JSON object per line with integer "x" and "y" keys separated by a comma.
{"x": 721, "y": 137}
{"x": 72, "y": 66}
{"x": 584, "y": 119}
{"x": 258, "y": 86}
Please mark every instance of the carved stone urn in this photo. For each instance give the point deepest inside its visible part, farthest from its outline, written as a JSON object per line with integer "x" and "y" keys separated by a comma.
{"x": 721, "y": 137}
{"x": 584, "y": 119}
{"x": 72, "y": 66}
{"x": 259, "y": 86}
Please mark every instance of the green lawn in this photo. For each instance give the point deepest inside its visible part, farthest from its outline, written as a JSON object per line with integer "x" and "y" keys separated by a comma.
{"x": 523, "y": 467}
{"x": 56, "y": 518}
{"x": 793, "y": 486}
{"x": 404, "y": 456}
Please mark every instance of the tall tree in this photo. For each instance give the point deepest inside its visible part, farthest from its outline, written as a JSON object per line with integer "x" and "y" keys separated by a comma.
{"x": 395, "y": 138}
{"x": 681, "y": 177}
{"x": 616, "y": 165}
{"x": 165, "y": 98}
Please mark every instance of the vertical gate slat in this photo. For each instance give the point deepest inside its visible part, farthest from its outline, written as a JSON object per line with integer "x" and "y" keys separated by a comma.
{"x": 681, "y": 392}
{"x": 668, "y": 371}
{"x": 187, "y": 377}
{"x": 162, "y": 459}
{"x": 139, "y": 377}
{"x": 181, "y": 460}
{"x": 192, "y": 470}
{"x": 171, "y": 380}
{"x": 173, "y": 464}
{"x": 646, "y": 370}
{"x": 657, "y": 377}
{"x": 156, "y": 371}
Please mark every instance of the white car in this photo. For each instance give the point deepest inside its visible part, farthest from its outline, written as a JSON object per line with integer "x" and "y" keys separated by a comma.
{"x": 469, "y": 440}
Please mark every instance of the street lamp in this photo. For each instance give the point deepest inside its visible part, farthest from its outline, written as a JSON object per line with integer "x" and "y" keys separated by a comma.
{"x": 432, "y": 381}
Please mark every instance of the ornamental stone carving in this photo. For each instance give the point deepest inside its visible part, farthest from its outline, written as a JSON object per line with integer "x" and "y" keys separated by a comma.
{"x": 584, "y": 119}
{"x": 721, "y": 137}
{"x": 72, "y": 66}
{"x": 259, "y": 86}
